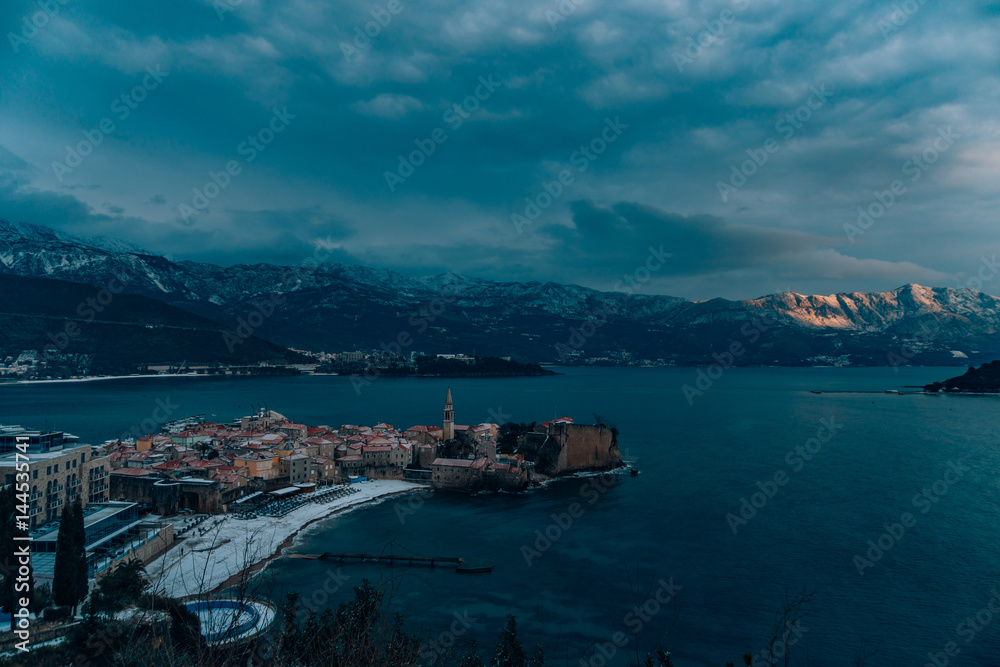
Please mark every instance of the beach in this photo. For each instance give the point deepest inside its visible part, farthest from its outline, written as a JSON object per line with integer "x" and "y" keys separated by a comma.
{"x": 201, "y": 563}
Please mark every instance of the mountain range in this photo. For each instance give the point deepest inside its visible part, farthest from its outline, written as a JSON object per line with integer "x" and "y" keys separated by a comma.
{"x": 337, "y": 307}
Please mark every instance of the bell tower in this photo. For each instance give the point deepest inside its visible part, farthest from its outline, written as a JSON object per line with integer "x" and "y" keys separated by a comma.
{"x": 449, "y": 418}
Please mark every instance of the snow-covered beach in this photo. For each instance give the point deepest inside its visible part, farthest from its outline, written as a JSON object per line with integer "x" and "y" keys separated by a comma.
{"x": 199, "y": 564}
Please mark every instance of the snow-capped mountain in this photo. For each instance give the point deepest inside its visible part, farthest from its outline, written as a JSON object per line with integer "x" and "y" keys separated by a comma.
{"x": 336, "y": 307}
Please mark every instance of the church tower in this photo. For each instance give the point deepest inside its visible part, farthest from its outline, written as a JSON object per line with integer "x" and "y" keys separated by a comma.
{"x": 449, "y": 418}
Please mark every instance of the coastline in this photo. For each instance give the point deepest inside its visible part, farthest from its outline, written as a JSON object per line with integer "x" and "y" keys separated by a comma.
{"x": 95, "y": 378}
{"x": 292, "y": 539}
{"x": 204, "y": 564}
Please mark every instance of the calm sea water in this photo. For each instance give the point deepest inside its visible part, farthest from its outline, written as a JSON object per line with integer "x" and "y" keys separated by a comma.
{"x": 697, "y": 461}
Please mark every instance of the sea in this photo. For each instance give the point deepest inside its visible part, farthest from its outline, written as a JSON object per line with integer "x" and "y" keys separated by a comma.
{"x": 753, "y": 491}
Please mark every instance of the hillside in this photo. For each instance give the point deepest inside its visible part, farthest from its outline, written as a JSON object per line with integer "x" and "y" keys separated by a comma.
{"x": 67, "y": 318}
{"x": 336, "y": 307}
{"x": 985, "y": 379}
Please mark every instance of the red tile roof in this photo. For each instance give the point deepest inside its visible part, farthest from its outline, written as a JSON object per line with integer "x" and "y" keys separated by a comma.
{"x": 132, "y": 472}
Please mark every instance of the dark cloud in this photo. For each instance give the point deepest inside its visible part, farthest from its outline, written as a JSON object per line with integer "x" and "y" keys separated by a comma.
{"x": 700, "y": 243}
{"x": 693, "y": 113}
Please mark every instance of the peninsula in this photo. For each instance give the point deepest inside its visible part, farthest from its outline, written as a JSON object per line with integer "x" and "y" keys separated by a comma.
{"x": 201, "y": 504}
{"x": 982, "y": 380}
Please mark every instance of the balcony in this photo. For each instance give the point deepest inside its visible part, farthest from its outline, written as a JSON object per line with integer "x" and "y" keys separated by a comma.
{"x": 98, "y": 473}
{"x": 55, "y": 489}
{"x": 97, "y": 488}
{"x": 56, "y": 502}
{"x": 36, "y": 495}
{"x": 75, "y": 482}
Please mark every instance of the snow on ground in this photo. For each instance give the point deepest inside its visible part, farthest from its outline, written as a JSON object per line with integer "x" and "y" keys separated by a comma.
{"x": 200, "y": 563}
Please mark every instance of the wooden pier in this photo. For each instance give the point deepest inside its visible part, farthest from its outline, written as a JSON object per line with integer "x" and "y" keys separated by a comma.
{"x": 459, "y": 564}
{"x": 393, "y": 560}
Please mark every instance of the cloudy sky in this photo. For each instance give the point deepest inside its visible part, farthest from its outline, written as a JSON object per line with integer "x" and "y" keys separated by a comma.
{"x": 739, "y": 135}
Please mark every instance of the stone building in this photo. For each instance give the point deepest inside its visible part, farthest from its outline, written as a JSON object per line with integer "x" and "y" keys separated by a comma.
{"x": 457, "y": 473}
{"x": 477, "y": 474}
{"x": 296, "y": 468}
{"x": 167, "y": 496}
{"x": 560, "y": 447}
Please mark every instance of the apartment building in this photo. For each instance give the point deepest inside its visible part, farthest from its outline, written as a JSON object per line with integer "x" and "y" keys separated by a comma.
{"x": 58, "y": 477}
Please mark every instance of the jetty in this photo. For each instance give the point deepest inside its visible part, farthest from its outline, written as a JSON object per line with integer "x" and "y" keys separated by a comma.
{"x": 460, "y": 564}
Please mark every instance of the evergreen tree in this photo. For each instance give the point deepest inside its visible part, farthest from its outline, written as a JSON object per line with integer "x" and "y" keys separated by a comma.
{"x": 509, "y": 651}
{"x": 538, "y": 659}
{"x": 63, "y": 588}
{"x": 69, "y": 584}
{"x": 79, "y": 550}
{"x": 120, "y": 587}
{"x": 471, "y": 658}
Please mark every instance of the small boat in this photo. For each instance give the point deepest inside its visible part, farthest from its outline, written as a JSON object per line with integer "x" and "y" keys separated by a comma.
{"x": 635, "y": 471}
{"x": 474, "y": 567}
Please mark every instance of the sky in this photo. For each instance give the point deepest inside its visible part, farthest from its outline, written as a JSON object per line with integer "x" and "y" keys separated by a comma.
{"x": 765, "y": 146}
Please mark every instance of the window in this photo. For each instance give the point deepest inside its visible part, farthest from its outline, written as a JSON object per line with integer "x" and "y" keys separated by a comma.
{"x": 74, "y": 463}
{"x": 48, "y": 470}
{"x": 34, "y": 474}
{"x": 57, "y": 468}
